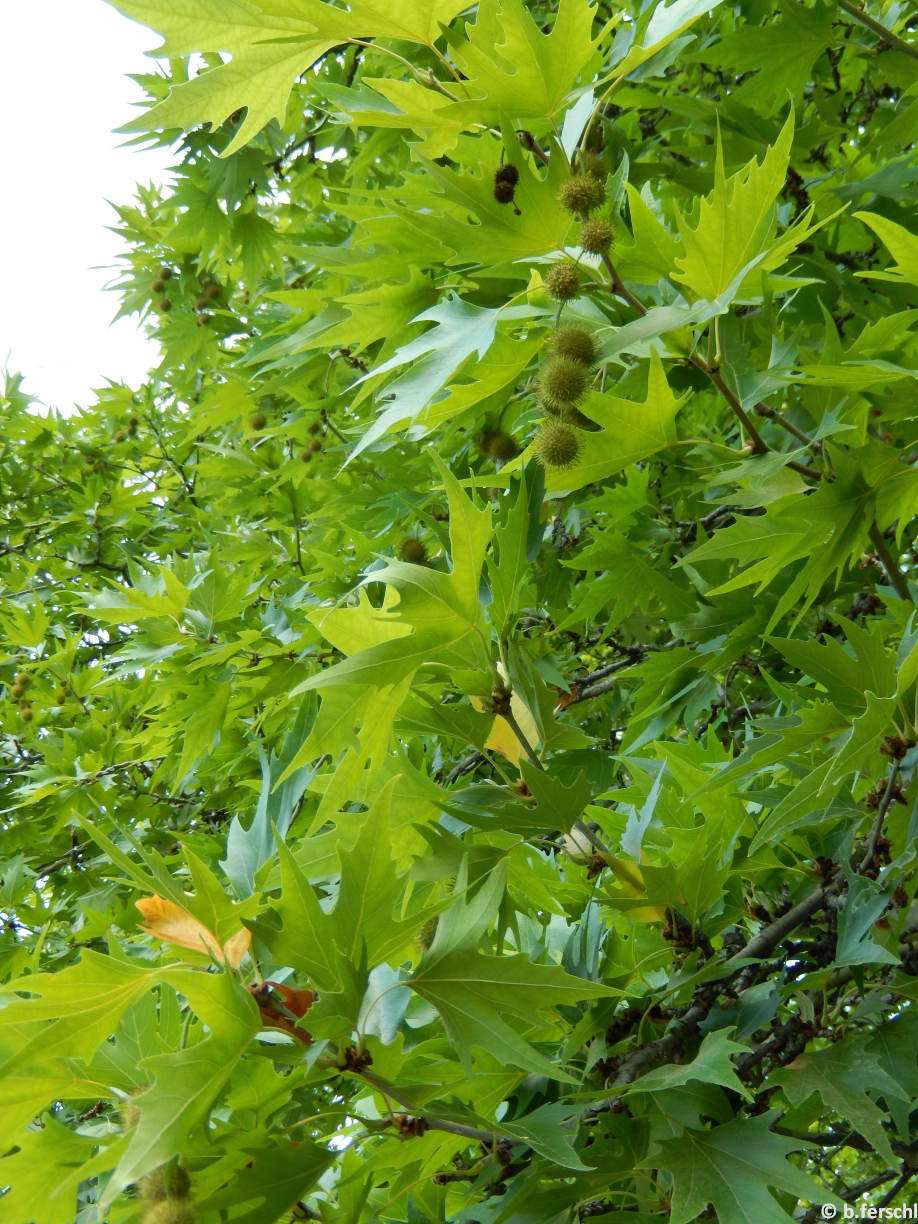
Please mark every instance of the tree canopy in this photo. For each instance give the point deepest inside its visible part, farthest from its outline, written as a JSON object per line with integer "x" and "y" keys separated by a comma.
{"x": 460, "y": 713}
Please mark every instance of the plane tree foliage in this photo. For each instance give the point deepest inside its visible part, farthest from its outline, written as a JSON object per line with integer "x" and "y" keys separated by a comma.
{"x": 443, "y": 779}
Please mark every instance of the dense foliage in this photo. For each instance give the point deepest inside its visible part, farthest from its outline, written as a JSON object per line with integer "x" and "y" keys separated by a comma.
{"x": 460, "y": 714}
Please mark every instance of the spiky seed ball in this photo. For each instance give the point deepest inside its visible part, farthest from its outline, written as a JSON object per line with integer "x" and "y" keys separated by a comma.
{"x": 170, "y": 1211}
{"x": 26, "y": 713}
{"x": 562, "y": 381}
{"x": 165, "y": 1183}
{"x": 503, "y": 191}
{"x": 482, "y": 440}
{"x": 132, "y": 426}
{"x": 596, "y": 236}
{"x": 582, "y": 193}
{"x": 16, "y": 691}
{"x": 563, "y": 281}
{"x": 594, "y": 164}
{"x": 165, "y": 272}
{"x": 315, "y": 427}
{"x": 306, "y": 455}
{"x": 165, "y": 305}
{"x": 503, "y": 447}
{"x": 573, "y": 416}
{"x": 120, "y": 435}
{"x": 158, "y": 285}
{"x": 22, "y": 679}
{"x": 426, "y": 934}
{"x": 258, "y": 421}
{"x": 315, "y": 445}
{"x": 411, "y": 549}
{"x": 507, "y": 174}
{"x": 555, "y": 445}
{"x": 574, "y": 342}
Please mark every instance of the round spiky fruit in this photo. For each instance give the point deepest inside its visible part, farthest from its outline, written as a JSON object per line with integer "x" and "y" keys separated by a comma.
{"x": 563, "y": 281}
{"x": 595, "y": 165}
{"x": 26, "y": 713}
{"x": 16, "y": 691}
{"x": 315, "y": 445}
{"x": 315, "y": 427}
{"x": 165, "y": 272}
{"x": 582, "y": 193}
{"x": 411, "y": 549}
{"x": 120, "y": 435}
{"x": 132, "y": 426}
{"x": 596, "y": 236}
{"x": 306, "y": 455}
{"x": 165, "y": 305}
{"x": 555, "y": 445}
{"x": 574, "y": 342}
{"x": 170, "y": 1211}
{"x": 503, "y": 447}
{"x": 426, "y": 933}
{"x": 165, "y": 1183}
{"x": 482, "y": 440}
{"x": 503, "y": 191}
{"x": 507, "y": 174}
{"x": 561, "y": 382}
{"x": 158, "y": 285}
{"x": 573, "y": 416}
{"x": 22, "y": 679}
{"x": 258, "y": 421}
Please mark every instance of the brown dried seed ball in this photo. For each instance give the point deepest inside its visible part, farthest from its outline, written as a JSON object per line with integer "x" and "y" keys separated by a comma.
{"x": 563, "y": 281}
{"x": 574, "y": 342}
{"x": 596, "y": 236}
{"x": 507, "y": 174}
{"x": 562, "y": 381}
{"x": 555, "y": 445}
{"x": 503, "y": 191}
{"x": 582, "y": 193}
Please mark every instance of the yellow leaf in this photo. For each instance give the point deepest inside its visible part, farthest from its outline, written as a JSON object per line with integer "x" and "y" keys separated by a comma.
{"x": 174, "y": 925}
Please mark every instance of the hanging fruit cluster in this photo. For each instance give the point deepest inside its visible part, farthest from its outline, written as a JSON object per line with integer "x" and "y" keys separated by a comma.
{"x": 566, "y": 375}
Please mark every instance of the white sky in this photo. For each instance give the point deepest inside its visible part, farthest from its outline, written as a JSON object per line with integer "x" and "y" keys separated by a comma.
{"x": 62, "y": 91}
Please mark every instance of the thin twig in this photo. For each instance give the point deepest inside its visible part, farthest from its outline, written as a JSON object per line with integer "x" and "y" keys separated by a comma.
{"x": 887, "y": 36}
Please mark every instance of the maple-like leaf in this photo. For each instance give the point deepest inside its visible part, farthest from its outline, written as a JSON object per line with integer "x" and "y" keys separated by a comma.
{"x": 733, "y": 1167}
